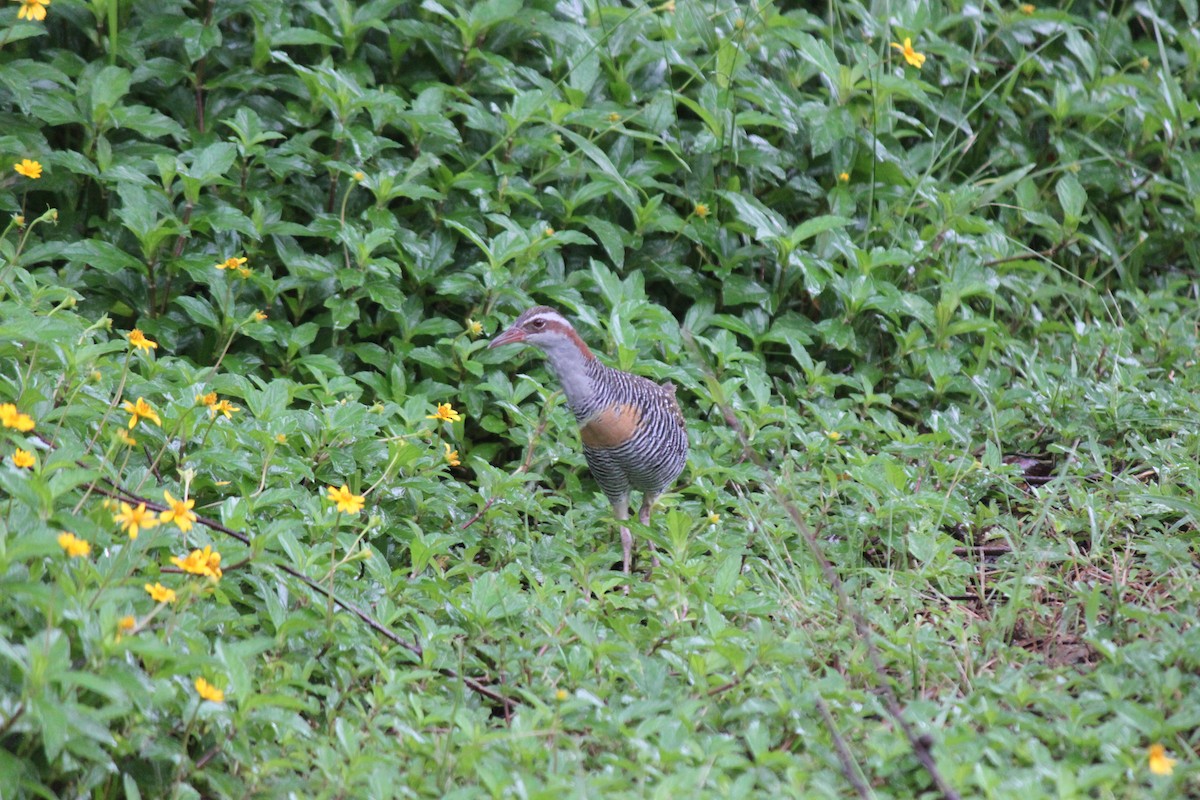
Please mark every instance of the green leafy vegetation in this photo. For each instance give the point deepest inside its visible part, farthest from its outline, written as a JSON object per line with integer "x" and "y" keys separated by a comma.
{"x": 923, "y": 273}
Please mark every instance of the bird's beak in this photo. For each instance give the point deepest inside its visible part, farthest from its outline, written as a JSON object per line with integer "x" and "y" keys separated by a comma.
{"x": 510, "y": 336}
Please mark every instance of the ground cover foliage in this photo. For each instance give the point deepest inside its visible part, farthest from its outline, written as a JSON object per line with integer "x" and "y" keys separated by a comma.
{"x": 952, "y": 307}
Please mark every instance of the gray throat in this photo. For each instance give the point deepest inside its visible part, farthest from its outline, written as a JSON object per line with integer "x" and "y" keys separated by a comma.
{"x": 573, "y": 370}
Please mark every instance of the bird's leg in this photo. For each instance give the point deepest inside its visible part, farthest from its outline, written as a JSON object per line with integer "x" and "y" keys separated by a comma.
{"x": 644, "y": 518}
{"x": 621, "y": 512}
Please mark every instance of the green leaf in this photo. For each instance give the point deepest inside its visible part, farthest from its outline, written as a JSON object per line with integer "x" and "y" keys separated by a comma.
{"x": 585, "y": 69}
{"x": 147, "y": 122}
{"x": 731, "y": 57}
{"x": 484, "y": 16}
{"x": 1072, "y": 196}
{"x": 199, "y": 38}
{"x": 743, "y": 290}
{"x": 300, "y": 36}
{"x": 15, "y": 32}
{"x": 817, "y": 225}
{"x": 597, "y": 157}
{"x": 609, "y": 236}
{"x": 102, "y": 255}
{"x": 199, "y": 311}
{"x": 108, "y": 87}
{"x": 766, "y": 223}
{"x": 210, "y": 164}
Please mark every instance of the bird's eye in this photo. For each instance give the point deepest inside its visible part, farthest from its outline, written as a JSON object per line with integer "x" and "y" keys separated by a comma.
{"x": 537, "y": 324}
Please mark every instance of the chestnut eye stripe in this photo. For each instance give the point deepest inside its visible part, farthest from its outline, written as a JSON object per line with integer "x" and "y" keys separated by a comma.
{"x": 542, "y": 325}
{"x": 546, "y": 320}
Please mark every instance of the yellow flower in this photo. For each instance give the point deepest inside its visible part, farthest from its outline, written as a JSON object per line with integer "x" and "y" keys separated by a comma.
{"x": 358, "y": 176}
{"x": 179, "y": 512}
{"x": 35, "y": 11}
{"x": 445, "y": 413}
{"x": 474, "y": 328}
{"x": 126, "y": 624}
{"x": 548, "y": 232}
{"x": 209, "y": 399}
{"x": 614, "y": 117}
{"x": 346, "y": 500}
{"x": 1160, "y": 762}
{"x": 561, "y": 695}
{"x": 232, "y": 263}
{"x": 127, "y": 439}
{"x": 844, "y": 177}
{"x": 30, "y": 169}
{"x": 140, "y": 410}
{"x": 451, "y": 456}
{"x": 259, "y": 316}
{"x": 20, "y": 220}
{"x": 224, "y": 407}
{"x": 73, "y": 545}
{"x": 135, "y": 520}
{"x": 209, "y": 692}
{"x": 1027, "y": 8}
{"x": 713, "y": 518}
{"x": 24, "y": 459}
{"x": 138, "y": 340}
{"x": 701, "y": 210}
{"x": 160, "y": 593}
{"x": 833, "y": 436}
{"x": 280, "y": 438}
{"x": 201, "y": 562}
{"x": 911, "y": 56}
{"x": 11, "y": 418}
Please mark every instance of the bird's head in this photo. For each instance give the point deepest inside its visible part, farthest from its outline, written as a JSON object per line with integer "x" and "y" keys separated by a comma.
{"x": 544, "y": 328}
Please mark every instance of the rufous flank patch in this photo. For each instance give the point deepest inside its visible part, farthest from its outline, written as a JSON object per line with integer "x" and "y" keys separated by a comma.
{"x": 611, "y": 427}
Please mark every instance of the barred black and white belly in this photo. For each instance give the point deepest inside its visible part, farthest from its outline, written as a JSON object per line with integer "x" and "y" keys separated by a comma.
{"x": 647, "y": 463}
{"x": 633, "y": 434}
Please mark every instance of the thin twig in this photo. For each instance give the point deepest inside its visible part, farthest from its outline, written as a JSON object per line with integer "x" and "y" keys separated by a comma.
{"x": 543, "y": 418}
{"x": 1050, "y": 253}
{"x": 202, "y": 762}
{"x": 387, "y": 633}
{"x": 479, "y": 515}
{"x": 733, "y": 684}
{"x": 983, "y": 550}
{"x": 921, "y": 744}
{"x": 849, "y": 767}
{"x": 16, "y": 715}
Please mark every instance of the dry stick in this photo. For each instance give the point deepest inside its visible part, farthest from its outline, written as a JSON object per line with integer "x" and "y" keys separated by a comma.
{"x": 215, "y": 750}
{"x": 177, "y": 250}
{"x": 922, "y": 745}
{"x": 474, "y": 685}
{"x": 1050, "y": 253}
{"x": 843, "y": 751}
{"x": 733, "y": 684}
{"x": 16, "y": 715}
{"x": 543, "y": 418}
{"x": 983, "y": 550}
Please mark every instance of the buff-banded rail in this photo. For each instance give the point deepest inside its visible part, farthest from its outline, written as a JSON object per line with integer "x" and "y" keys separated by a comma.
{"x": 632, "y": 430}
